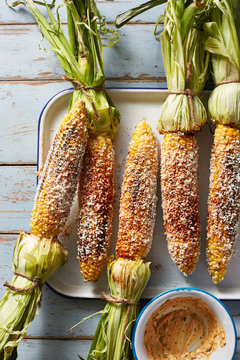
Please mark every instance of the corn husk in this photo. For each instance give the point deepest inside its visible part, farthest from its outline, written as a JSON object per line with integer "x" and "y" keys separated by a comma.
{"x": 223, "y": 44}
{"x": 36, "y": 258}
{"x": 186, "y": 65}
{"x": 127, "y": 279}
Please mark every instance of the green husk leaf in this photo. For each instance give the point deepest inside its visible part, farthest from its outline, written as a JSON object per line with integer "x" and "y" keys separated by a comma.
{"x": 127, "y": 279}
{"x": 223, "y": 44}
{"x": 81, "y": 57}
{"x": 86, "y": 318}
{"x": 22, "y": 2}
{"x": 182, "y": 48}
{"x": 35, "y": 258}
{"x": 123, "y": 18}
{"x": 156, "y": 33}
{"x": 176, "y": 114}
{"x": 223, "y": 104}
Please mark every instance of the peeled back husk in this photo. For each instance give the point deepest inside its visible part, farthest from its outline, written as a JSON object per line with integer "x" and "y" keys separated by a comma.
{"x": 176, "y": 114}
{"x": 109, "y": 117}
{"x": 224, "y": 104}
{"x": 36, "y": 258}
{"x": 224, "y": 46}
{"x": 127, "y": 279}
{"x": 186, "y": 67}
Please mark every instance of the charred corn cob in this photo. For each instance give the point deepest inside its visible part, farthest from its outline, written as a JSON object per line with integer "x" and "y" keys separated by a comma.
{"x": 60, "y": 174}
{"x": 138, "y": 199}
{"x": 224, "y": 111}
{"x": 180, "y": 199}
{"x": 181, "y": 115}
{"x": 96, "y": 191}
{"x": 223, "y": 201}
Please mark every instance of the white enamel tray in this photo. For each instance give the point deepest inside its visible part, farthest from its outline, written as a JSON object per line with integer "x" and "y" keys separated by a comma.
{"x": 134, "y": 105}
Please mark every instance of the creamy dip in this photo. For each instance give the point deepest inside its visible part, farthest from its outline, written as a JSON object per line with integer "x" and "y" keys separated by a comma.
{"x": 184, "y": 328}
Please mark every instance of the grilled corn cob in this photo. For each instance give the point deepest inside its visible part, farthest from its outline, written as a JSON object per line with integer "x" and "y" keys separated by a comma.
{"x": 138, "y": 199}
{"x": 60, "y": 174}
{"x": 96, "y": 190}
{"x": 180, "y": 199}
{"x": 223, "y": 201}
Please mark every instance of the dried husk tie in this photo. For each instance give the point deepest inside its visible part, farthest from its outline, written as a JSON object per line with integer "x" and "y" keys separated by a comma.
{"x": 115, "y": 300}
{"x": 127, "y": 280}
{"x": 189, "y": 93}
{"x": 228, "y": 82}
{"x": 186, "y": 68}
{"x": 35, "y": 282}
{"x": 80, "y": 86}
{"x": 182, "y": 111}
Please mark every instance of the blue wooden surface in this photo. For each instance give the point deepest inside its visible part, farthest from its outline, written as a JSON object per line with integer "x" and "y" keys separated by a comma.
{"x": 122, "y": 61}
{"x": 27, "y": 80}
{"x": 107, "y": 8}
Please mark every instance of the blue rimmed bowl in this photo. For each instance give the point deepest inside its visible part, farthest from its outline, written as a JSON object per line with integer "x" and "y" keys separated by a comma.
{"x": 222, "y": 314}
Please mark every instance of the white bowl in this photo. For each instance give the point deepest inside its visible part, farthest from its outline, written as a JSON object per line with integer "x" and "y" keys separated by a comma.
{"x": 222, "y": 314}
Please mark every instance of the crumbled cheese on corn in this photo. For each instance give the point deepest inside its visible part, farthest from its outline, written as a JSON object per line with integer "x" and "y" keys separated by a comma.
{"x": 138, "y": 196}
{"x": 96, "y": 192}
{"x": 223, "y": 202}
{"x": 180, "y": 199}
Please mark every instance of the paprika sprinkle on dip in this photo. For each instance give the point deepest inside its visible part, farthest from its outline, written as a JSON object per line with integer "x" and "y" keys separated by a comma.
{"x": 184, "y": 328}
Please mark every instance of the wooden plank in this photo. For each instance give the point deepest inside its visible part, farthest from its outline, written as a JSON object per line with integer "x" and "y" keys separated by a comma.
{"x": 52, "y": 349}
{"x": 237, "y": 356}
{"x": 17, "y": 190}
{"x": 62, "y": 350}
{"x": 235, "y": 309}
{"x": 110, "y": 9}
{"x": 20, "y": 106}
{"x": 124, "y": 60}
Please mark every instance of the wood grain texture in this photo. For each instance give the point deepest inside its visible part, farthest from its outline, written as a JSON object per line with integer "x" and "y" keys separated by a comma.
{"x": 17, "y": 190}
{"x": 20, "y": 106}
{"x": 107, "y": 8}
{"x": 21, "y": 58}
{"x": 60, "y": 350}
{"x": 65, "y": 350}
{"x": 30, "y": 349}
